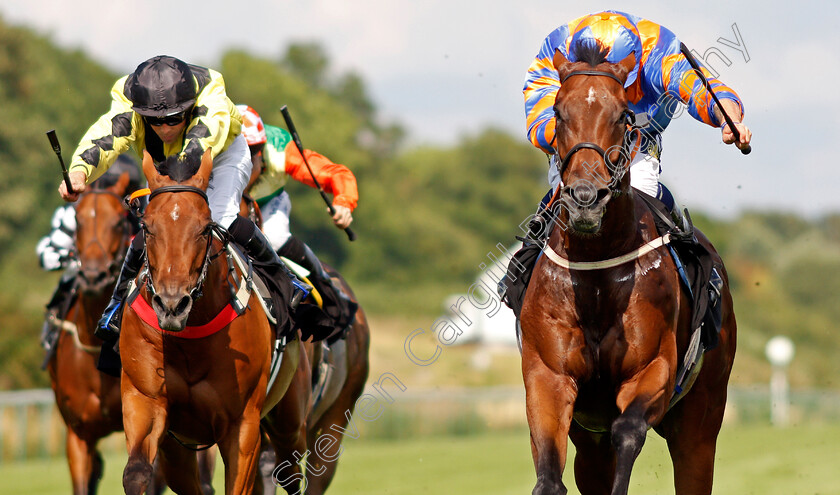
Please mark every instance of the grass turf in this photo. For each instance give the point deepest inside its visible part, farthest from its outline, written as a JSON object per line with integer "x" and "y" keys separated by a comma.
{"x": 750, "y": 459}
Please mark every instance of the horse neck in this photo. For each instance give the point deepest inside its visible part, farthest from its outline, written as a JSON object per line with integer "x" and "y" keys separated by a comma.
{"x": 617, "y": 236}
{"x": 215, "y": 291}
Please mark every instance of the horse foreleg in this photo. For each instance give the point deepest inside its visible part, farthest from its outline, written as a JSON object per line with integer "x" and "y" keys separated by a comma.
{"x": 324, "y": 440}
{"x": 85, "y": 464}
{"x": 206, "y": 468}
{"x": 594, "y": 460}
{"x": 145, "y": 424}
{"x": 642, "y": 402}
{"x": 268, "y": 462}
{"x": 240, "y": 449}
{"x": 180, "y": 467}
{"x": 285, "y": 426}
{"x": 549, "y": 399}
{"x": 691, "y": 429}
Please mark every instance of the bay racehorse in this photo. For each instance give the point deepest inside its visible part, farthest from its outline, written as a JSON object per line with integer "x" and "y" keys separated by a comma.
{"x": 89, "y": 401}
{"x": 197, "y": 373}
{"x": 603, "y": 334}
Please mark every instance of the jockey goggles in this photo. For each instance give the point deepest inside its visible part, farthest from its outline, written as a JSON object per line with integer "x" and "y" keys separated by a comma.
{"x": 170, "y": 120}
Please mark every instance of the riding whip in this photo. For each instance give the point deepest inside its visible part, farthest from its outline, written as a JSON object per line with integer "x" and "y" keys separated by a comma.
{"x": 694, "y": 65}
{"x": 57, "y": 148}
{"x": 288, "y": 118}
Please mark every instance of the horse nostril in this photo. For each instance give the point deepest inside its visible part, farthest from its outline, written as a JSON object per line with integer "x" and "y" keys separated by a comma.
{"x": 602, "y": 193}
{"x": 157, "y": 302}
{"x": 182, "y": 305}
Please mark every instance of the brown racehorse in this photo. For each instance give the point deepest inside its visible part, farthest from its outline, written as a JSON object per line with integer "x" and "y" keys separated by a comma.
{"x": 601, "y": 347}
{"x": 89, "y": 401}
{"x": 178, "y": 390}
{"x": 346, "y": 367}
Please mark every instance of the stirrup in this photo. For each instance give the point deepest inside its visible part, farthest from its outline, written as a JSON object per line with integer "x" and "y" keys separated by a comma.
{"x": 108, "y": 327}
{"x": 300, "y": 292}
{"x": 684, "y": 226}
{"x": 715, "y": 287}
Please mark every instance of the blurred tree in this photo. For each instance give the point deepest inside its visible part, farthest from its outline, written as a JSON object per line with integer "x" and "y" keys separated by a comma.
{"x": 427, "y": 216}
{"x": 308, "y": 61}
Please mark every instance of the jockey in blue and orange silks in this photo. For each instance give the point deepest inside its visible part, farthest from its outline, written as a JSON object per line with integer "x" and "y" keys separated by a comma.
{"x": 660, "y": 81}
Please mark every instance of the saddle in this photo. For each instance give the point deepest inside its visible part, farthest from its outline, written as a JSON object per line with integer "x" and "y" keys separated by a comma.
{"x": 698, "y": 271}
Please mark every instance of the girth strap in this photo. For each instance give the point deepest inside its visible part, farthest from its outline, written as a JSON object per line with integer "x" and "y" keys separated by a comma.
{"x": 612, "y": 262}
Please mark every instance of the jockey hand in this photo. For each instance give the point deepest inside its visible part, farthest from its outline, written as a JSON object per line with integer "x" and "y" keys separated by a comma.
{"x": 733, "y": 110}
{"x": 77, "y": 180}
{"x": 342, "y": 217}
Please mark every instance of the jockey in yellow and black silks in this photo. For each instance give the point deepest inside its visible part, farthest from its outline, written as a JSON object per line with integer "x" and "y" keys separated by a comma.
{"x": 167, "y": 107}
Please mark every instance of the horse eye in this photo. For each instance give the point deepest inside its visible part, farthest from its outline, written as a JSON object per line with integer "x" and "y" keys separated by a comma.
{"x": 622, "y": 119}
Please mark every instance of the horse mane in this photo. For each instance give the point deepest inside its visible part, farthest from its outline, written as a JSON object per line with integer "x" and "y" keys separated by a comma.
{"x": 180, "y": 167}
{"x": 591, "y": 51}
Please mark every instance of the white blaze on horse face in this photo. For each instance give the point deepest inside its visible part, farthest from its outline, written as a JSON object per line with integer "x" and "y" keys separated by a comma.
{"x": 175, "y": 213}
{"x": 591, "y": 96}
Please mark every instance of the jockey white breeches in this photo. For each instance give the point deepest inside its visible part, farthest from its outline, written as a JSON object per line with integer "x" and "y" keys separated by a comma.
{"x": 231, "y": 171}
{"x": 275, "y": 216}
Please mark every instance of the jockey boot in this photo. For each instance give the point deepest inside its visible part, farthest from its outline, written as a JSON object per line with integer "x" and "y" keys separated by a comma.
{"x": 337, "y": 304}
{"x": 251, "y": 238}
{"x": 684, "y": 226}
{"x": 60, "y": 301}
{"x": 63, "y": 290}
{"x": 512, "y": 286}
{"x": 108, "y": 328}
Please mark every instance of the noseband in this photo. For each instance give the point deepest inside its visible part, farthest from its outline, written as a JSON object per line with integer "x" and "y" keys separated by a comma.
{"x": 626, "y": 145}
{"x": 212, "y": 227}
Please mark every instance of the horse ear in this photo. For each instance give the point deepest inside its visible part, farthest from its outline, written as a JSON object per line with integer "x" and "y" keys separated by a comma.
{"x": 561, "y": 63}
{"x": 122, "y": 183}
{"x": 626, "y": 65}
{"x": 150, "y": 171}
{"x": 206, "y": 167}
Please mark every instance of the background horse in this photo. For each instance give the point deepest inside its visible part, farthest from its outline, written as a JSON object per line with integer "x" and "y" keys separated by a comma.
{"x": 178, "y": 390}
{"x": 89, "y": 401}
{"x": 601, "y": 347}
{"x": 343, "y": 368}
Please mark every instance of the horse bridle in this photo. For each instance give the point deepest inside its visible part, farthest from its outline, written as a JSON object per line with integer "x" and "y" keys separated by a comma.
{"x": 211, "y": 228}
{"x": 626, "y": 145}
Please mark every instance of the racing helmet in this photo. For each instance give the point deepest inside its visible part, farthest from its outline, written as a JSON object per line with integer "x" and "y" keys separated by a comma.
{"x": 252, "y": 125}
